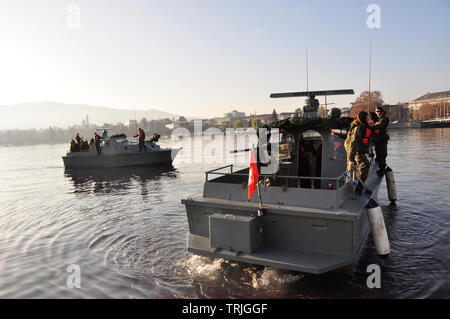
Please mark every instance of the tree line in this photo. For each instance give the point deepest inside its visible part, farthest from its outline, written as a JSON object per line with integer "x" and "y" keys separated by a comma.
{"x": 55, "y": 135}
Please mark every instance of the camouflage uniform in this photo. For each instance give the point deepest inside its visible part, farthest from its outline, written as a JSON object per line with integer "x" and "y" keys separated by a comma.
{"x": 357, "y": 146}
{"x": 380, "y": 141}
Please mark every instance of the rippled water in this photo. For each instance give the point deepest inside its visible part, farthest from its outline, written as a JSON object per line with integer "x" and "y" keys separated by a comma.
{"x": 126, "y": 229}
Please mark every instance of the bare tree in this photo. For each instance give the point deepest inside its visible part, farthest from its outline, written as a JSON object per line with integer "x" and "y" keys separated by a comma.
{"x": 427, "y": 111}
{"x": 362, "y": 102}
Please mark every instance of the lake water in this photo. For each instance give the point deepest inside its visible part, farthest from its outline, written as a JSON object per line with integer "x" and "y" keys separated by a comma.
{"x": 126, "y": 230}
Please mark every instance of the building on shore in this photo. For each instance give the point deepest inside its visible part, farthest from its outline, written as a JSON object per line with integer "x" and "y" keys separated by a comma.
{"x": 234, "y": 115}
{"x": 398, "y": 112}
{"x": 439, "y": 99}
{"x": 265, "y": 118}
{"x": 85, "y": 122}
{"x": 222, "y": 121}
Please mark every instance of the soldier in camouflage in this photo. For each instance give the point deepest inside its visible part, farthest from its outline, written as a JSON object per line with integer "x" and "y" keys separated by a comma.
{"x": 357, "y": 147}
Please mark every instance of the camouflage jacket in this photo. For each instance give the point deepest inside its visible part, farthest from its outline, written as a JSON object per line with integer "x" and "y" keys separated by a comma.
{"x": 357, "y": 141}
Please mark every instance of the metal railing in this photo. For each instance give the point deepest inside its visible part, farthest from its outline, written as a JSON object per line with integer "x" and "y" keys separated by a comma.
{"x": 337, "y": 180}
{"x": 214, "y": 171}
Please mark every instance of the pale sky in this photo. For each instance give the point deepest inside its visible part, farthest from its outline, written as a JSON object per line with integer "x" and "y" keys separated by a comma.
{"x": 203, "y": 58}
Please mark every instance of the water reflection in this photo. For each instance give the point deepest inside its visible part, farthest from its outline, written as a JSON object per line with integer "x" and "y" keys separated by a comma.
{"x": 118, "y": 180}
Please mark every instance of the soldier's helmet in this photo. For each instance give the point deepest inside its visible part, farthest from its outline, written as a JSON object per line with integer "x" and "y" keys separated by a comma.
{"x": 362, "y": 117}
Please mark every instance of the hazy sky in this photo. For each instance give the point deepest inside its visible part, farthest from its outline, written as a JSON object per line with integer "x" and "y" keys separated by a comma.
{"x": 206, "y": 57}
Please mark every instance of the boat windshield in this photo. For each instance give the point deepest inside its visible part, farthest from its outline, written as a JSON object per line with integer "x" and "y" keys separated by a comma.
{"x": 120, "y": 139}
{"x": 125, "y": 140}
{"x": 307, "y": 159}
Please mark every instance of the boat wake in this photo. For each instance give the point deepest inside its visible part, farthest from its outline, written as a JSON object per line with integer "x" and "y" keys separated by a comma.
{"x": 273, "y": 278}
{"x": 257, "y": 277}
{"x": 199, "y": 266}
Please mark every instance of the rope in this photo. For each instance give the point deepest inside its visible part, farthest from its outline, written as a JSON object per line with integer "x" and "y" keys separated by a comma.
{"x": 348, "y": 174}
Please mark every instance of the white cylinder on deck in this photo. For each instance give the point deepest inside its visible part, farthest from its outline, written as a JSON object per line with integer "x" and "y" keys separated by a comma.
{"x": 378, "y": 227}
{"x": 390, "y": 183}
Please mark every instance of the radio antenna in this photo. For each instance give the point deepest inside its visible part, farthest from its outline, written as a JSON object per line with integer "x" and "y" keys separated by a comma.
{"x": 135, "y": 120}
{"x": 370, "y": 72}
{"x": 307, "y": 75}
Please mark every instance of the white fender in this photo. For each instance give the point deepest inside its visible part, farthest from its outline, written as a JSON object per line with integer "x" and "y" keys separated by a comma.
{"x": 379, "y": 233}
{"x": 390, "y": 183}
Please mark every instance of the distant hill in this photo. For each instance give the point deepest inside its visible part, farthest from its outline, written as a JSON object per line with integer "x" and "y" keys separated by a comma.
{"x": 44, "y": 114}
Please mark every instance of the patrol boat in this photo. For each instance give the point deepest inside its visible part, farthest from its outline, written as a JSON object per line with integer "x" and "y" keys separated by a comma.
{"x": 307, "y": 216}
{"x": 119, "y": 151}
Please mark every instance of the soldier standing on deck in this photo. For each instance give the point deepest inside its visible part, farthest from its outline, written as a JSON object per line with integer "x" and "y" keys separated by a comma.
{"x": 357, "y": 147}
{"x": 97, "y": 143}
{"x": 78, "y": 138}
{"x": 141, "y": 135}
{"x": 380, "y": 139}
{"x": 72, "y": 146}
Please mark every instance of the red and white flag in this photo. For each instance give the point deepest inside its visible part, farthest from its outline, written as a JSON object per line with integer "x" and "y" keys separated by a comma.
{"x": 253, "y": 175}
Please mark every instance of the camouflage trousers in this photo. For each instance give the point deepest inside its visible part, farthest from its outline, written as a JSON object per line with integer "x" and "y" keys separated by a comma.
{"x": 363, "y": 165}
{"x": 381, "y": 151}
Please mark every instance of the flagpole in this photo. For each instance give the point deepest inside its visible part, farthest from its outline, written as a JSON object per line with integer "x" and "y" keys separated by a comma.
{"x": 260, "y": 210}
{"x": 260, "y": 201}
{"x": 253, "y": 180}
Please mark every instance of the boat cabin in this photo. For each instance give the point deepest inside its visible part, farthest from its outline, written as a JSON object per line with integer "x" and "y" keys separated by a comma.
{"x": 309, "y": 158}
{"x": 311, "y": 172}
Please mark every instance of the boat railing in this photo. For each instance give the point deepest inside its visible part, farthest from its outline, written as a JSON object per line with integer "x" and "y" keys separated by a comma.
{"x": 336, "y": 182}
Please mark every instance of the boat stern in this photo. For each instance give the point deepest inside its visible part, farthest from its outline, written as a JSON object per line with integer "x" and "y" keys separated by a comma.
{"x": 299, "y": 237}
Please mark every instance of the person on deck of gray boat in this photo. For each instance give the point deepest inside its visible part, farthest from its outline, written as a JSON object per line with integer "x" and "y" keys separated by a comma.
{"x": 97, "y": 143}
{"x": 72, "y": 146}
{"x": 380, "y": 139}
{"x": 141, "y": 135}
{"x": 357, "y": 147}
{"x": 78, "y": 138}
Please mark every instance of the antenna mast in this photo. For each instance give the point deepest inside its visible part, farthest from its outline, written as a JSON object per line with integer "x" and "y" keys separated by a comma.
{"x": 370, "y": 72}
{"x": 307, "y": 75}
{"x": 135, "y": 120}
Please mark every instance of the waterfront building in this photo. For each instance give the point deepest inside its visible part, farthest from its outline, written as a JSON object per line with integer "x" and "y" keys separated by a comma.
{"x": 440, "y": 99}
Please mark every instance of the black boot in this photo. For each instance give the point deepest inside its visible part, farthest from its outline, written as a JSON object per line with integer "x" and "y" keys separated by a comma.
{"x": 359, "y": 188}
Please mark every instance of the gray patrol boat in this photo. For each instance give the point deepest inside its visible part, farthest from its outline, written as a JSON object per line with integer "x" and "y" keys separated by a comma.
{"x": 307, "y": 216}
{"x": 119, "y": 151}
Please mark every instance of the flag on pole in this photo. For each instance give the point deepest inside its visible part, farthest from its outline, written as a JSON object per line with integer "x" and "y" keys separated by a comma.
{"x": 253, "y": 175}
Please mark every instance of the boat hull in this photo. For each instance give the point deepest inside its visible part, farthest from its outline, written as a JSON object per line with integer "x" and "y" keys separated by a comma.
{"x": 305, "y": 239}
{"x": 92, "y": 160}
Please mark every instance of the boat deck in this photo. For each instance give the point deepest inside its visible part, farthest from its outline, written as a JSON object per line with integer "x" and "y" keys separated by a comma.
{"x": 302, "y": 261}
